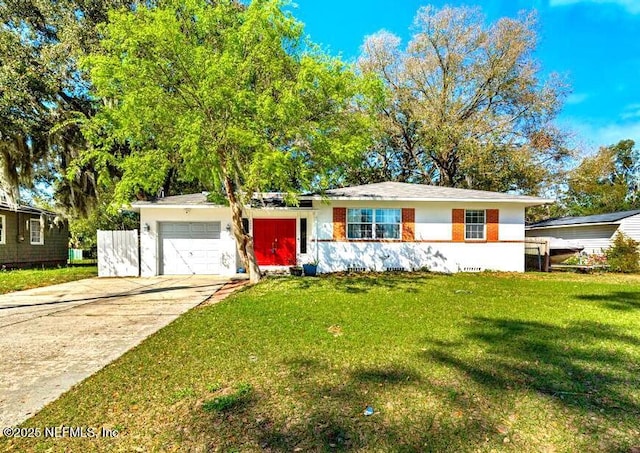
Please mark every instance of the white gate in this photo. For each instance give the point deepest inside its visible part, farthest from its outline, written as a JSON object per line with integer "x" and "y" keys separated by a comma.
{"x": 118, "y": 254}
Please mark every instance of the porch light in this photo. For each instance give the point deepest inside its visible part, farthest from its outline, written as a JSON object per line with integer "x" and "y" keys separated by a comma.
{"x": 146, "y": 227}
{"x": 228, "y": 227}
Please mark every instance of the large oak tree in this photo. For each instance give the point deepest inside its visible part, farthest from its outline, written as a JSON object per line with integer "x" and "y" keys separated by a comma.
{"x": 43, "y": 95}
{"x": 44, "y": 100}
{"x": 465, "y": 104}
{"x": 233, "y": 92}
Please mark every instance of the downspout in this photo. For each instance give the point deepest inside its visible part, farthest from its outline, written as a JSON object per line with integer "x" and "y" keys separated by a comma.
{"x": 17, "y": 238}
{"x": 315, "y": 224}
{"x": 298, "y": 235}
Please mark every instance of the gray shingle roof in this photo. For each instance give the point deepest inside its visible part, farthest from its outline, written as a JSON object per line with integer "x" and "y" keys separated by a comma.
{"x": 423, "y": 192}
{"x": 24, "y": 209}
{"x": 612, "y": 218}
{"x": 190, "y": 199}
{"x": 378, "y": 191}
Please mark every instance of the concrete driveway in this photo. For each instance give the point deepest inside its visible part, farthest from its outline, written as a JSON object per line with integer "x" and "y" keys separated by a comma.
{"x": 53, "y": 337}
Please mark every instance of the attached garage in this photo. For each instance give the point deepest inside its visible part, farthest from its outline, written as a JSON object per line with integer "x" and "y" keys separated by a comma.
{"x": 190, "y": 248}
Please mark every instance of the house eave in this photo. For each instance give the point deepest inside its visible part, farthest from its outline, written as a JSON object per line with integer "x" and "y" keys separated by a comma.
{"x": 28, "y": 210}
{"x": 279, "y": 208}
{"x": 572, "y": 225}
{"x": 527, "y": 202}
{"x": 137, "y": 207}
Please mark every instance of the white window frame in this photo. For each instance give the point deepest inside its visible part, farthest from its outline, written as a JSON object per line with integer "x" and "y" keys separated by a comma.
{"x": 3, "y": 229}
{"x": 483, "y": 223}
{"x": 374, "y": 224}
{"x": 40, "y": 230}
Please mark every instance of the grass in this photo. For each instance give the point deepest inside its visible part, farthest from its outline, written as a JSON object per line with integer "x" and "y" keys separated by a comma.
{"x": 18, "y": 280}
{"x": 469, "y": 362}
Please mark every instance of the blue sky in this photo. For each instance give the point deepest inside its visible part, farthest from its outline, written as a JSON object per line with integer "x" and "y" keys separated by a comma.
{"x": 595, "y": 44}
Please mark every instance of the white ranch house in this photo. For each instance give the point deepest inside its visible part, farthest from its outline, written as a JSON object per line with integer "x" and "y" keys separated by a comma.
{"x": 594, "y": 232}
{"x": 383, "y": 226}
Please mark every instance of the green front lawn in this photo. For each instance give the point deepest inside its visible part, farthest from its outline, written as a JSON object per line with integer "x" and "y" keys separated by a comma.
{"x": 18, "y": 280}
{"x": 448, "y": 363}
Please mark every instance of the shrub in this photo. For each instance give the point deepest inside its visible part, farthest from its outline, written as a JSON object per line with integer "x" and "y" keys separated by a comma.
{"x": 591, "y": 259}
{"x": 623, "y": 255}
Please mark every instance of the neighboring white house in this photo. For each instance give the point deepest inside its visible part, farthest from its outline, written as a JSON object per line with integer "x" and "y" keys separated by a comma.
{"x": 383, "y": 226}
{"x": 594, "y": 232}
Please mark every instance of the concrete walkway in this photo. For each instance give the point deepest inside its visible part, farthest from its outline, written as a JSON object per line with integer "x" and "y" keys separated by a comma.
{"x": 51, "y": 338}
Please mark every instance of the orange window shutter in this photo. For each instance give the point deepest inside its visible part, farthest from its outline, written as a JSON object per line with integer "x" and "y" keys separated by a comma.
{"x": 457, "y": 222}
{"x": 493, "y": 223}
{"x": 339, "y": 224}
{"x": 408, "y": 224}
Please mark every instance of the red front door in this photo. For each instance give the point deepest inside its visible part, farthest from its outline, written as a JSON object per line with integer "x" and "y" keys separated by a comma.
{"x": 274, "y": 241}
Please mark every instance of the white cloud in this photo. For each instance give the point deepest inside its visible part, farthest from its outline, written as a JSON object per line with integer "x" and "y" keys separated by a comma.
{"x": 631, "y": 111}
{"x": 589, "y": 136}
{"x": 632, "y": 6}
{"x": 612, "y": 134}
{"x": 577, "y": 98}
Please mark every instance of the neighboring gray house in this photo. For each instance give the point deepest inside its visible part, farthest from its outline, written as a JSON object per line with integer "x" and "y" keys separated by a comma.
{"x": 31, "y": 237}
{"x": 594, "y": 232}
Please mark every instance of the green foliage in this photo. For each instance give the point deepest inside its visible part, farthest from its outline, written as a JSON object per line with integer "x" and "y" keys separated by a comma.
{"x": 623, "y": 255}
{"x": 222, "y": 90}
{"x": 48, "y": 113}
{"x": 544, "y": 212}
{"x": 25, "y": 92}
{"x": 232, "y": 96}
{"x": 217, "y": 198}
{"x": 83, "y": 230}
{"x": 44, "y": 97}
{"x": 180, "y": 394}
{"x": 592, "y": 259}
{"x": 240, "y": 395}
{"x": 215, "y": 387}
{"x": 608, "y": 181}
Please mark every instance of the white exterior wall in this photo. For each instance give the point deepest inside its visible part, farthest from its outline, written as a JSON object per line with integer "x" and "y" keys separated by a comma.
{"x": 435, "y": 248}
{"x": 631, "y": 227}
{"x": 433, "y": 231}
{"x": 437, "y": 257}
{"x": 594, "y": 238}
{"x": 149, "y": 241}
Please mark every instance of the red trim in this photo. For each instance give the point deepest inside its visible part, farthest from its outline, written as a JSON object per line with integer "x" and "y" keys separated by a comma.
{"x": 408, "y": 224}
{"x": 493, "y": 222}
{"x": 457, "y": 224}
{"x": 339, "y": 224}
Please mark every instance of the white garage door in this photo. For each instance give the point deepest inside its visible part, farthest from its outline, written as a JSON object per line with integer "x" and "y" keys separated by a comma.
{"x": 190, "y": 248}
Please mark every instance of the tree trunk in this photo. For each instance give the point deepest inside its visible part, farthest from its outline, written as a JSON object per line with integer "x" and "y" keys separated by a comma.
{"x": 243, "y": 240}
